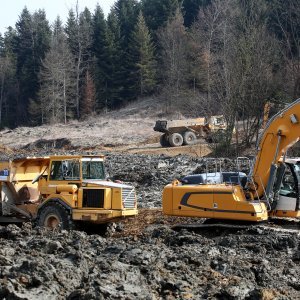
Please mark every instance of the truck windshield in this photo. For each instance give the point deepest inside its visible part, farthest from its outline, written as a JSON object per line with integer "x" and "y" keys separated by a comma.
{"x": 65, "y": 170}
{"x": 93, "y": 169}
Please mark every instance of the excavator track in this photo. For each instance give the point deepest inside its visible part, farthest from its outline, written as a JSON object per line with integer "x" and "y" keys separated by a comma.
{"x": 274, "y": 224}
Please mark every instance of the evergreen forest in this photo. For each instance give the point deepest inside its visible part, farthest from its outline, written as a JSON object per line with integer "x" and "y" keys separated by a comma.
{"x": 197, "y": 56}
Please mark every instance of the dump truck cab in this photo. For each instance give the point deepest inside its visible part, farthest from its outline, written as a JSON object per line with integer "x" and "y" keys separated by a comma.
{"x": 63, "y": 189}
{"x": 216, "y": 123}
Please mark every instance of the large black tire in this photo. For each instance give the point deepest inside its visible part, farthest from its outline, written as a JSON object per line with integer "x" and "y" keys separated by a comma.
{"x": 189, "y": 138}
{"x": 175, "y": 139}
{"x": 54, "y": 215}
{"x": 164, "y": 142}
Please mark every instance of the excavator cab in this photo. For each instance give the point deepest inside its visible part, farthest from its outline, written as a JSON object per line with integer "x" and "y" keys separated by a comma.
{"x": 287, "y": 200}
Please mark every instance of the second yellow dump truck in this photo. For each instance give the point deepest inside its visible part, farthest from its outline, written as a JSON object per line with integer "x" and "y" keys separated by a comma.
{"x": 186, "y": 132}
{"x": 61, "y": 190}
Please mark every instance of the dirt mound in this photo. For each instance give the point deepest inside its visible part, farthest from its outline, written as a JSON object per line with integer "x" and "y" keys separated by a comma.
{"x": 62, "y": 143}
{"x": 129, "y": 126}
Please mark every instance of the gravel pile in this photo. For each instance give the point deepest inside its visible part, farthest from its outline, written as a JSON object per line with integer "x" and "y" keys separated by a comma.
{"x": 150, "y": 173}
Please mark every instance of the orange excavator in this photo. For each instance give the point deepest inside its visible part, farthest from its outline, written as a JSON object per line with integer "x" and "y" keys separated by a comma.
{"x": 272, "y": 187}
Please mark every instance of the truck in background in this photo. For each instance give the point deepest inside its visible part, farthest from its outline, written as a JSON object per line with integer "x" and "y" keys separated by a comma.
{"x": 186, "y": 132}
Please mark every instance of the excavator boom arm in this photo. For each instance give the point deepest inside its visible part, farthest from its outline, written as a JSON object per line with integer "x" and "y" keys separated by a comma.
{"x": 281, "y": 132}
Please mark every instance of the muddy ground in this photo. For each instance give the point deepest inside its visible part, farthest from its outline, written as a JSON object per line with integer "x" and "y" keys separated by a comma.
{"x": 156, "y": 263}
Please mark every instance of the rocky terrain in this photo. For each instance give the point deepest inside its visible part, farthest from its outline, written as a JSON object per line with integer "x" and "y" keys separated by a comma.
{"x": 157, "y": 263}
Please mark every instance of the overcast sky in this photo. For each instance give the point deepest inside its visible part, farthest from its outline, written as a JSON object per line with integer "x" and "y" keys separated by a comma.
{"x": 11, "y": 9}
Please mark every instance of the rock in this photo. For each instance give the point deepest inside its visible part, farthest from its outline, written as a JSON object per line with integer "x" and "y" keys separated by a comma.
{"x": 53, "y": 247}
{"x": 240, "y": 291}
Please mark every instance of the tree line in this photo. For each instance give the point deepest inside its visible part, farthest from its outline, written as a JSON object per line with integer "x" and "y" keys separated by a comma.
{"x": 198, "y": 56}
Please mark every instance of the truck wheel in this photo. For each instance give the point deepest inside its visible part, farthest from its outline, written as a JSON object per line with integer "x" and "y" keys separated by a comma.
{"x": 164, "y": 142}
{"x": 189, "y": 138}
{"x": 54, "y": 215}
{"x": 175, "y": 139}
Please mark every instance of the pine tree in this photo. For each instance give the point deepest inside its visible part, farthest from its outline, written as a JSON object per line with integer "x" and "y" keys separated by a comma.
{"x": 30, "y": 46}
{"x": 100, "y": 53}
{"x": 126, "y": 69}
{"x": 158, "y": 12}
{"x": 145, "y": 52}
{"x": 79, "y": 34}
{"x": 6, "y": 74}
{"x": 9, "y": 91}
{"x": 71, "y": 30}
{"x": 27, "y": 79}
{"x": 1, "y": 45}
{"x": 190, "y": 9}
{"x": 113, "y": 50}
{"x": 42, "y": 37}
{"x": 85, "y": 36}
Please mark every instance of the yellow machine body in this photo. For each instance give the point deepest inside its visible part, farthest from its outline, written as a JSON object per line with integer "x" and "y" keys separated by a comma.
{"x": 27, "y": 185}
{"x": 218, "y": 201}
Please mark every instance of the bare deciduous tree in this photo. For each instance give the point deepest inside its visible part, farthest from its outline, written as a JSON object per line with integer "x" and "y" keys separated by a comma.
{"x": 239, "y": 55}
{"x": 89, "y": 96}
{"x": 173, "y": 40}
{"x": 57, "y": 79}
{"x": 287, "y": 20}
{"x": 208, "y": 34}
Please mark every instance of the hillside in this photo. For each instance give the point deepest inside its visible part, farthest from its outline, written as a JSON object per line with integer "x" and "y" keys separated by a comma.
{"x": 129, "y": 129}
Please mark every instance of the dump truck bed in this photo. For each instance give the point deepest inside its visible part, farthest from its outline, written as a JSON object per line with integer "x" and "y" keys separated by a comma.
{"x": 164, "y": 125}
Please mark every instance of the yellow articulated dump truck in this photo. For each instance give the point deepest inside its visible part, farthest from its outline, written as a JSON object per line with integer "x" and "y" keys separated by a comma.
{"x": 59, "y": 190}
{"x": 186, "y": 132}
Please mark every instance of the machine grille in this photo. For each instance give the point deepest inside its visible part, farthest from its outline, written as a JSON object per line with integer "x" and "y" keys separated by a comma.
{"x": 93, "y": 198}
{"x": 128, "y": 197}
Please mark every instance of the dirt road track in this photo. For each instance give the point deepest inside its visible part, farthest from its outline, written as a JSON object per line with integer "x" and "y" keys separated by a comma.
{"x": 197, "y": 150}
